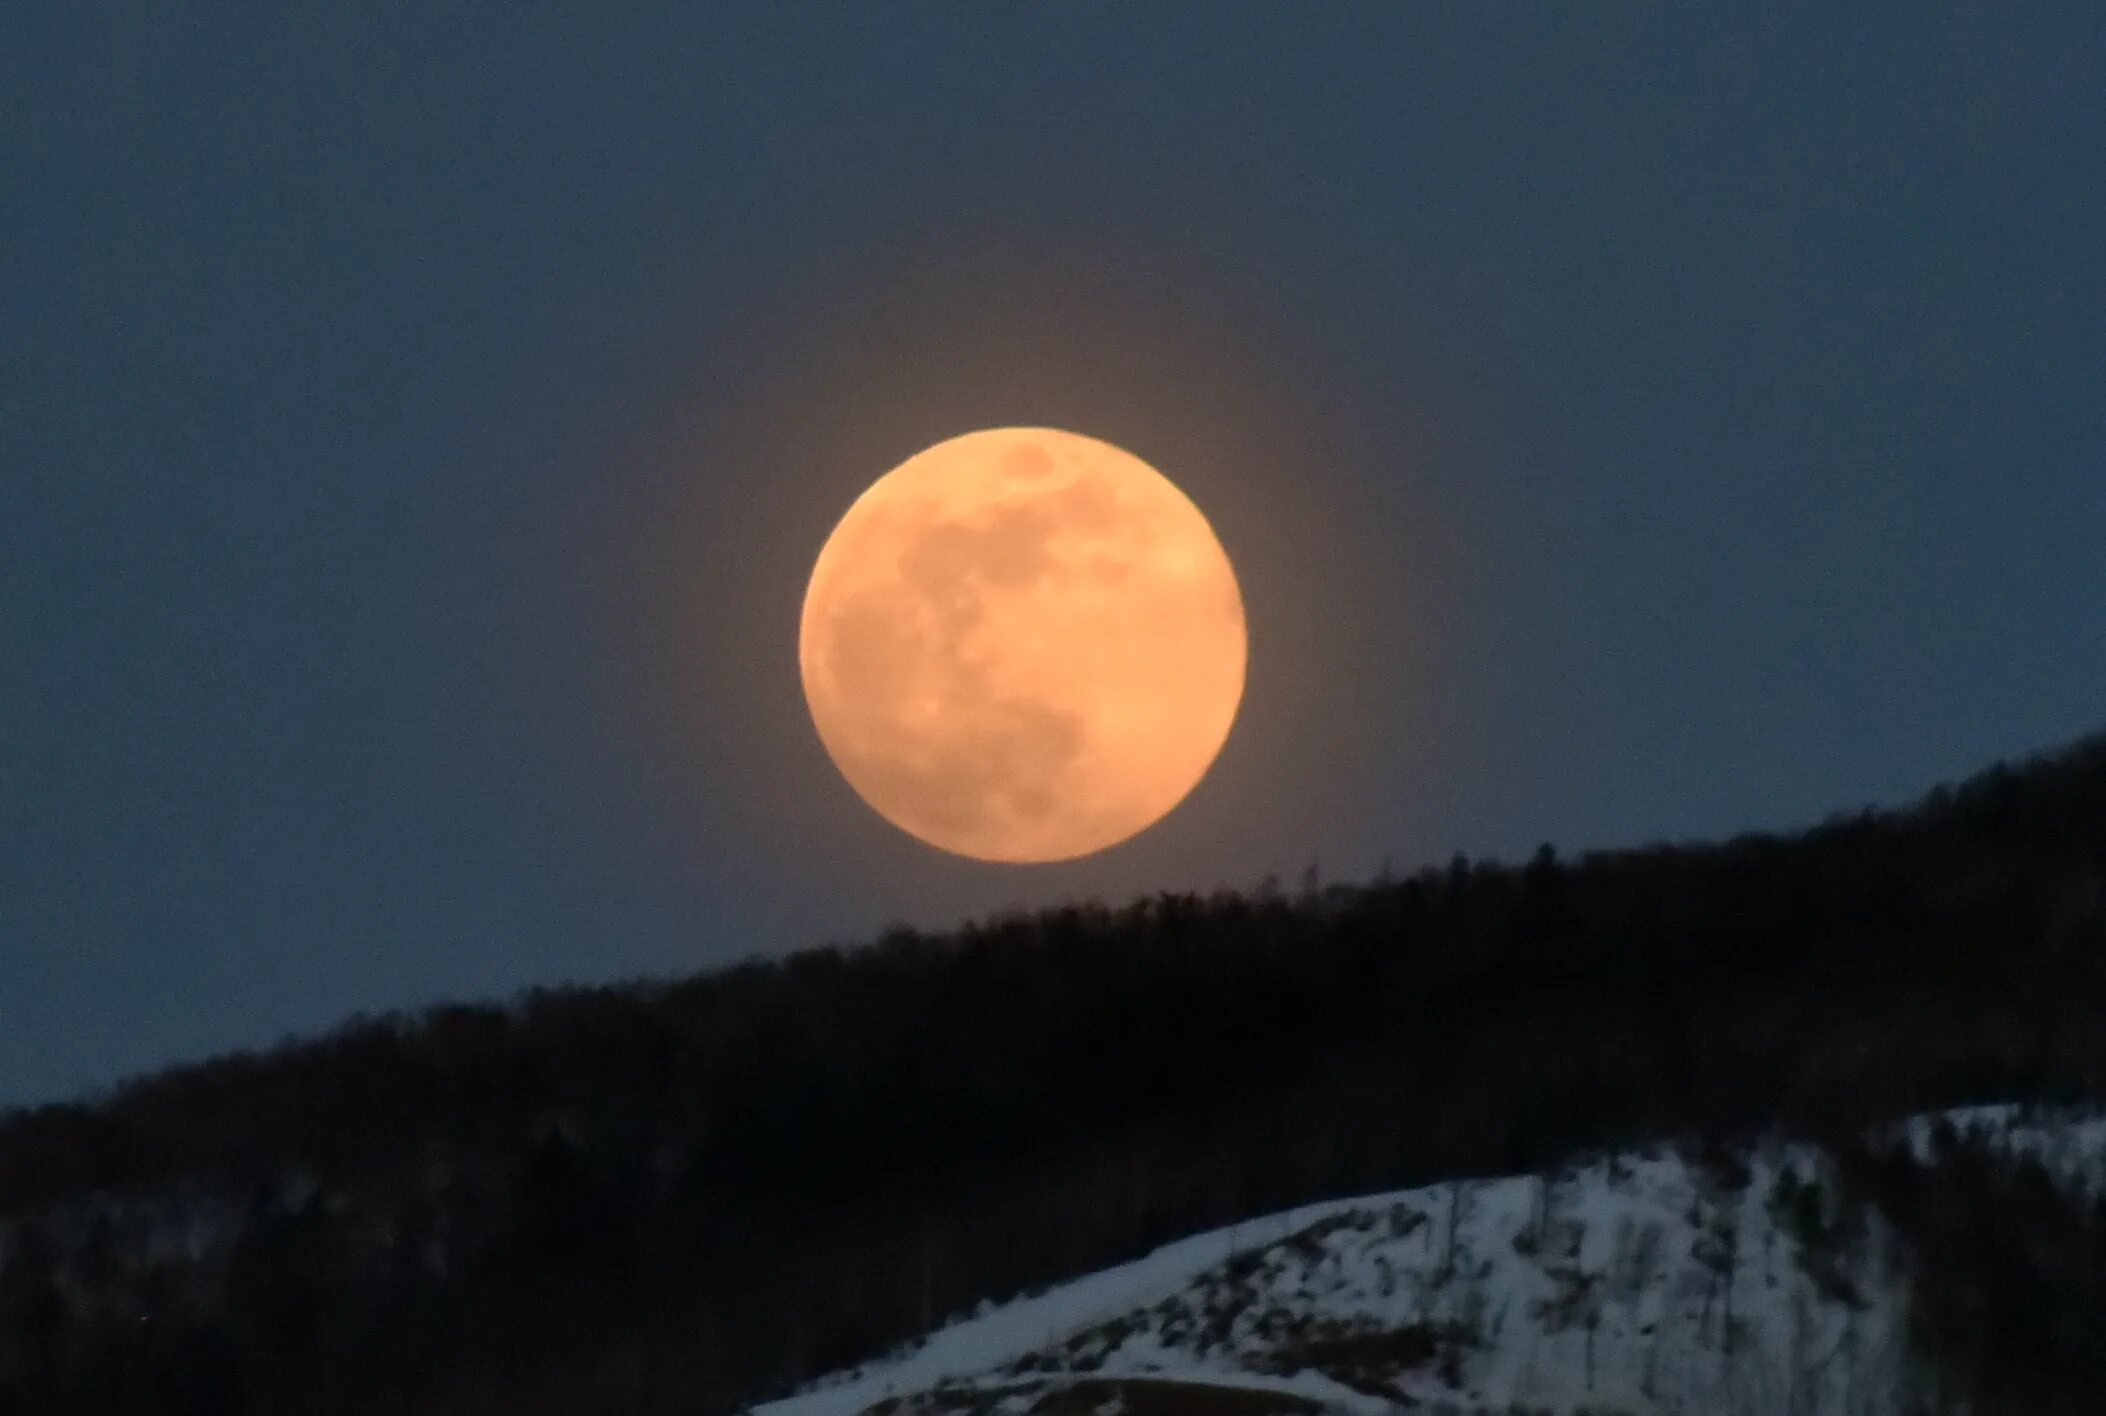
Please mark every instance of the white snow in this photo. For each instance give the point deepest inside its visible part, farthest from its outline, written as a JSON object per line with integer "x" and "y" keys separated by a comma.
{"x": 997, "y": 1336}
{"x": 2071, "y": 1144}
{"x": 1640, "y": 1284}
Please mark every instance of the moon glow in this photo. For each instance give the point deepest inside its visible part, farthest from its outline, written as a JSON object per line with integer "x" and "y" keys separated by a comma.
{"x": 1023, "y": 644}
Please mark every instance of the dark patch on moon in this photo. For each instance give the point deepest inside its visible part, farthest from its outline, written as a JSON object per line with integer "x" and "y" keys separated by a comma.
{"x": 869, "y": 638}
{"x": 996, "y": 762}
{"x": 1008, "y": 548}
{"x": 1006, "y": 761}
{"x": 1013, "y": 546}
{"x": 1027, "y": 462}
{"x": 1087, "y": 501}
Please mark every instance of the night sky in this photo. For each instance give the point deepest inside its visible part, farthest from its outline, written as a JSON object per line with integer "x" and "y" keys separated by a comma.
{"x": 417, "y": 424}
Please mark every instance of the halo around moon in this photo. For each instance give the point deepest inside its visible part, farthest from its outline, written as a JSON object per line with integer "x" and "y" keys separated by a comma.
{"x": 1023, "y": 644}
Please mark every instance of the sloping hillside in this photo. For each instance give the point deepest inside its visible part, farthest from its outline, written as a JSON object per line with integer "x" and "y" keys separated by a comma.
{"x": 1654, "y": 1282}
{"x": 684, "y": 1197}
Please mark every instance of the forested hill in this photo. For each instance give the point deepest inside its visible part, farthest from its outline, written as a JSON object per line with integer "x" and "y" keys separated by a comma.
{"x": 1767, "y": 1279}
{"x": 687, "y": 1197}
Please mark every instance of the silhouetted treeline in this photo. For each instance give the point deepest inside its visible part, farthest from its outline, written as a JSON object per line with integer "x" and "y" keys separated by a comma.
{"x": 2009, "y": 1289}
{"x": 681, "y": 1198}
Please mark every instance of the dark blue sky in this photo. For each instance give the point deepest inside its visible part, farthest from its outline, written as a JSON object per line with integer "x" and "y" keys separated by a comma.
{"x": 416, "y": 424}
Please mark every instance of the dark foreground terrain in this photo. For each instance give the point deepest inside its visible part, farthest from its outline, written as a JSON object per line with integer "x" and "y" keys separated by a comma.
{"x": 688, "y": 1198}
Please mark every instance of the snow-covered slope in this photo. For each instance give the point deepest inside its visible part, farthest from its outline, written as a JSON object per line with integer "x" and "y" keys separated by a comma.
{"x": 1648, "y": 1283}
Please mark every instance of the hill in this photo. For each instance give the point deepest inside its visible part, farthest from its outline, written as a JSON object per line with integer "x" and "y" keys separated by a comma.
{"x": 691, "y": 1197}
{"x": 1735, "y": 1282}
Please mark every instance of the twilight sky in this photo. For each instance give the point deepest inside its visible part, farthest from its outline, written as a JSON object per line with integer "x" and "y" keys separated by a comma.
{"x": 417, "y": 423}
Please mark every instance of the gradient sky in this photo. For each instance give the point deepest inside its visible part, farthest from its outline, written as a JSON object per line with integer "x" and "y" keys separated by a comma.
{"x": 417, "y": 422}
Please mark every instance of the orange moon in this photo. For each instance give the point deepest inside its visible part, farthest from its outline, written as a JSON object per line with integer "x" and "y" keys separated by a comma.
{"x": 1023, "y": 644}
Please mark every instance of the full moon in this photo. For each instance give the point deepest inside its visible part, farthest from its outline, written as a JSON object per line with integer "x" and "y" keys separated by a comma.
{"x": 1022, "y": 644}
